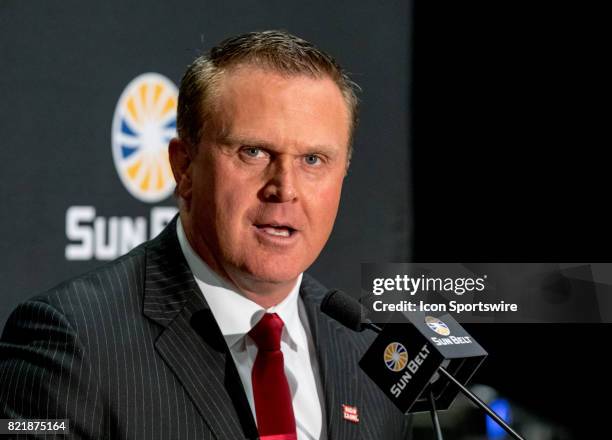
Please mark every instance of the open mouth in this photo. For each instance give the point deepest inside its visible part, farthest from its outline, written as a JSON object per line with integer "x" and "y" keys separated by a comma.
{"x": 277, "y": 230}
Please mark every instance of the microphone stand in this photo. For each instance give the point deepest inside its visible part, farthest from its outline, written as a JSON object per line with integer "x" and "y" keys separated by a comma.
{"x": 434, "y": 416}
{"x": 479, "y": 403}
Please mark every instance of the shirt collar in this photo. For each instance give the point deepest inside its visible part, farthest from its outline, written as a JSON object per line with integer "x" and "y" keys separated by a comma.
{"x": 235, "y": 314}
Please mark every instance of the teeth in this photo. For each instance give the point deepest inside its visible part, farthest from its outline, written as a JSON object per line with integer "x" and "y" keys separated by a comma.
{"x": 276, "y": 231}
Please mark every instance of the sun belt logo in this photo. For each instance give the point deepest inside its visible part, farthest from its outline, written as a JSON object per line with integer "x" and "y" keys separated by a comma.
{"x": 143, "y": 124}
{"x": 396, "y": 357}
{"x": 442, "y": 329}
{"x": 412, "y": 369}
{"x": 437, "y": 326}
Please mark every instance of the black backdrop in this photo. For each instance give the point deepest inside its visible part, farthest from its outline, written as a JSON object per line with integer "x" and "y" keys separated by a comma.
{"x": 509, "y": 164}
{"x": 65, "y": 65}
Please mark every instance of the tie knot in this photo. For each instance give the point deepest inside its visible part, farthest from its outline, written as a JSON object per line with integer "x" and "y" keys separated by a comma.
{"x": 267, "y": 332}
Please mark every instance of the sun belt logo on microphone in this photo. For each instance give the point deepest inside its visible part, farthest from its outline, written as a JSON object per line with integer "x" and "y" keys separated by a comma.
{"x": 396, "y": 357}
{"x": 143, "y": 124}
{"x": 442, "y": 329}
{"x": 437, "y": 326}
{"x": 412, "y": 368}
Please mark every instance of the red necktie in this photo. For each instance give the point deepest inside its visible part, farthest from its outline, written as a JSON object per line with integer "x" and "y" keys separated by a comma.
{"x": 275, "y": 419}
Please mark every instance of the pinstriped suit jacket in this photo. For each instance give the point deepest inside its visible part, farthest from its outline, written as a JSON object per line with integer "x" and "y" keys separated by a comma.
{"x": 131, "y": 351}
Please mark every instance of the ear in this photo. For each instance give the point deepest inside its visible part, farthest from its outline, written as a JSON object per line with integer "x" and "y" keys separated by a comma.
{"x": 180, "y": 162}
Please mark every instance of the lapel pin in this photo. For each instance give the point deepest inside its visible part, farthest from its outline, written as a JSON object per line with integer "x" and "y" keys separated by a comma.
{"x": 350, "y": 413}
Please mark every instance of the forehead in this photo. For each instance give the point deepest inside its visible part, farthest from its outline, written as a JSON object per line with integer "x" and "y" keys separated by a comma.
{"x": 251, "y": 100}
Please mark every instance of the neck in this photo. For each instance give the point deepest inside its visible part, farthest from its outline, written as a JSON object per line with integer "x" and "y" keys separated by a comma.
{"x": 265, "y": 294}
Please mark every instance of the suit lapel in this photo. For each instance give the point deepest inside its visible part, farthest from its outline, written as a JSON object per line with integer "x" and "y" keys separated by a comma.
{"x": 338, "y": 363}
{"x": 193, "y": 347}
{"x": 191, "y": 343}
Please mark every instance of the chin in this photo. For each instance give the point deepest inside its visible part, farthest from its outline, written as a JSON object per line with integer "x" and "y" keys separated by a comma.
{"x": 273, "y": 271}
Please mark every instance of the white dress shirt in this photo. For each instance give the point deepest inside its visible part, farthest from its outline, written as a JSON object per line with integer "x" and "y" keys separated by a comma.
{"x": 236, "y": 315}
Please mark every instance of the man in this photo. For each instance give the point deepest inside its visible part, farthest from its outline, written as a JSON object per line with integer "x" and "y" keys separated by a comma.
{"x": 211, "y": 330}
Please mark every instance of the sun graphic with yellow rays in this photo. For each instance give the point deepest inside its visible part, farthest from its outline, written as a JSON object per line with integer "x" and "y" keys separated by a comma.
{"x": 144, "y": 123}
{"x": 396, "y": 356}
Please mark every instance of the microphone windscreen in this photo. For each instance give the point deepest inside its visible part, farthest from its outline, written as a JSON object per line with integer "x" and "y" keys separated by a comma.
{"x": 344, "y": 309}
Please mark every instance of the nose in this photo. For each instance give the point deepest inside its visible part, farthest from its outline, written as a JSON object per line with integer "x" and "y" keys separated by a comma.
{"x": 281, "y": 184}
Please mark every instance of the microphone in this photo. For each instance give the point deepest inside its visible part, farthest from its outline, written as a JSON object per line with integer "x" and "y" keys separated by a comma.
{"x": 420, "y": 367}
{"x": 347, "y": 311}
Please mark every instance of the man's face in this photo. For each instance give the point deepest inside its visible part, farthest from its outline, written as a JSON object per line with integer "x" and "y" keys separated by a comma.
{"x": 265, "y": 187}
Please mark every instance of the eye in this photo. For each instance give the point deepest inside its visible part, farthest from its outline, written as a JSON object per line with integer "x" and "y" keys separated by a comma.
{"x": 312, "y": 159}
{"x": 251, "y": 151}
